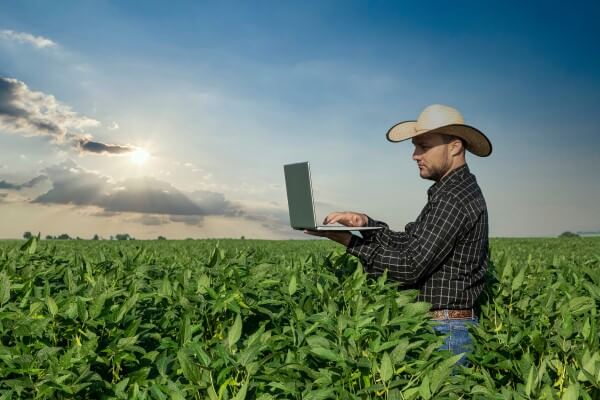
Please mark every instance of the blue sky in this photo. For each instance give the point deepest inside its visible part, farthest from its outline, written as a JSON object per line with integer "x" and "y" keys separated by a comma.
{"x": 223, "y": 94}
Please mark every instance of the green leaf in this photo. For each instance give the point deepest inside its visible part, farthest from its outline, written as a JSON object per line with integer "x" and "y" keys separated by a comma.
{"x": 214, "y": 257}
{"x": 530, "y": 381}
{"x": 4, "y": 288}
{"x": 126, "y": 307}
{"x": 324, "y": 353}
{"x": 190, "y": 371}
{"x": 424, "y": 388}
{"x": 579, "y": 305}
{"x": 572, "y": 392}
{"x": 157, "y": 393}
{"x": 319, "y": 394}
{"x": 518, "y": 281}
{"x": 52, "y": 307}
{"x": 442, "y": 371}
{"x": 318, "y": 341}
{"x": 165, "y": 287}
{"x": 241, "y": 395}
{"x": 586, "y": 328}
{"x": 235, "y": 331}
{"x": 212, "y": 394}
{"x": 419, "y": 307}
{"x": 386, "y": 370}
{"x": 31, "y": 245}
{"x": 127, "y": 341}
{"x": 292, "y": 285}
{"x": 120, "y": 388}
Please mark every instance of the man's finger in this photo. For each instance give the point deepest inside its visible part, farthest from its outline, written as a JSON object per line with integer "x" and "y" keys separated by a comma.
{"x": 330, "y": 217}
{"x": 334, "y": 220}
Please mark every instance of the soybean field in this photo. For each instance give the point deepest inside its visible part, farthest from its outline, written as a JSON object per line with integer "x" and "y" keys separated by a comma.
{"x": 246, "y": 319}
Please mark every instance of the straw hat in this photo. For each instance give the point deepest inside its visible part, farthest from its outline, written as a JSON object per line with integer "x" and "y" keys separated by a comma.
{"x": 438, "y": 118}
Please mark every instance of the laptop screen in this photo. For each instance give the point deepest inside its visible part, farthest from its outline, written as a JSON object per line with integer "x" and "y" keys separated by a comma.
{"x": 299, "y": 195}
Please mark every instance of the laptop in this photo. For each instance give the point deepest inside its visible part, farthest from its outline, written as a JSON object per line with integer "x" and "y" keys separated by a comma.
{"x": 300, "y": 201}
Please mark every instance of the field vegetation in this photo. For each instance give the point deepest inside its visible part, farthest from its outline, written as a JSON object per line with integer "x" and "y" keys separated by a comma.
{"x": 245, "y": 319}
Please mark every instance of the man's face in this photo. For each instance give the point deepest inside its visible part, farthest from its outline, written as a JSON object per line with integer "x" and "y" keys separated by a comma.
{"x": 432, "y": 155}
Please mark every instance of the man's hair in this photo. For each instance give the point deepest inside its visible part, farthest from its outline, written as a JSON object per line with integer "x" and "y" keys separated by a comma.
{"x": 449, "y": 138}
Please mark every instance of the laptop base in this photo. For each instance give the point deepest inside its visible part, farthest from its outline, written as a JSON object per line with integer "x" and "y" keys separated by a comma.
{"x": 324, "y": 228}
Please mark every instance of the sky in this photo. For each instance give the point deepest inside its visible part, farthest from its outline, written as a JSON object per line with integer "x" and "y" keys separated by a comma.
{"x": 175, "y": 119}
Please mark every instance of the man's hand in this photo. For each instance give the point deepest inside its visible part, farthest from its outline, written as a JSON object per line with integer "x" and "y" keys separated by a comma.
{"x": 347, "y": 218}
{"x": 342, "y": 238}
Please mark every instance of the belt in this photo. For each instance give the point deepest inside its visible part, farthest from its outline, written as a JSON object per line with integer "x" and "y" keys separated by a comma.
{"x": 452, "y": 314}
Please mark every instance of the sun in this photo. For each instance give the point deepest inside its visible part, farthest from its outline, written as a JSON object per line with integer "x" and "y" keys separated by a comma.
{"x": 139, "y": 156}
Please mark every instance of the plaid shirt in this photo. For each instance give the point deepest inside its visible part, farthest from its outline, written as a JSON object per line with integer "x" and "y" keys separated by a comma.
{"x": 444, "y": 253}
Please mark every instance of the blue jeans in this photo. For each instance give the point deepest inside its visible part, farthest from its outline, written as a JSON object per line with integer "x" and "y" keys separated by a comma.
{"x": 457, "y": 338}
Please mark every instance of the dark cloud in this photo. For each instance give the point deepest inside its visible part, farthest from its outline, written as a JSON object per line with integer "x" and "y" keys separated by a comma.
{"x": 151, "y": 220}
{"x": 31, "y": 113}
{"x": 192, "y": 220}
{"x": 37, "y": 114}
{"x": 100, "y": 148}
{"x": 157, "y": 201}
{"x": 104, "y": 213}
{"x": 213, "y": 203}
{"x": 149, "y": 195}
{"x": 6, "y": 185}
{"x": 72, "y": 184}
{"x": 28, "y": 184}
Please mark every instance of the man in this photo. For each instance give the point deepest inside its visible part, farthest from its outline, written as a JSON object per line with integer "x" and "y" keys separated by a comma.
{"x": 444, "y": 253}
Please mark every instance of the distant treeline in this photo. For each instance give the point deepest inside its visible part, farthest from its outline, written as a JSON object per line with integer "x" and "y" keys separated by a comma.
{"x": 66, "y": 236}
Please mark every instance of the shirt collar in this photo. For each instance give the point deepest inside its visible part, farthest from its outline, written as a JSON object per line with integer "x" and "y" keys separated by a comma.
{"x": 456, "y": 175}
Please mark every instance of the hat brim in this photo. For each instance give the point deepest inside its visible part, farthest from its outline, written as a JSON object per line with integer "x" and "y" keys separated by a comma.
{"x": 477, "y": 142}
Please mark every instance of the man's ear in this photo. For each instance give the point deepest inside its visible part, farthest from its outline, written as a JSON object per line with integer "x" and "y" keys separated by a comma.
{"x": 456, "y": 147}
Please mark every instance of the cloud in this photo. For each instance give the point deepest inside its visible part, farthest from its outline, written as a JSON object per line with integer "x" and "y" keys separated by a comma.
{"x": 104, "y": 213}
{"x": 149, "y": 195}
{"x": 22, "y": 37}
{"x": 31, "y": 113}
{"x": 274, "y": 219}
{"x": 192, "y": 220}
{"x": 148, "y": 201}
{"x": 214, "y": 203}
{"x": 157, "y": 219}
{"x": 28, "y": 184}
{"x": 99, "y": 148}
{"x": 37, "y": 114}
{"x": 74, "y": 185}
{"x": 151, "y": 220}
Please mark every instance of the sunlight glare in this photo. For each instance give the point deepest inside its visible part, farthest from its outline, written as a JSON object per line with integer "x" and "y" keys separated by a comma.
{"x": 139, "y": 156}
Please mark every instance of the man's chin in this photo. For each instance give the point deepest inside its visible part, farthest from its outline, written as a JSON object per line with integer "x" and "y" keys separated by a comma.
{"x": 426, "y": 175}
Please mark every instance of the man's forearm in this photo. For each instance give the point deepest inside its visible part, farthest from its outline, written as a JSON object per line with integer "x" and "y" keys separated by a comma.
{"x": 385, "y": 236}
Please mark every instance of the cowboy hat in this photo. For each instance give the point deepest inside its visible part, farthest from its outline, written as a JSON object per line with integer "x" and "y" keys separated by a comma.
{"x": 438, "y": 118}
